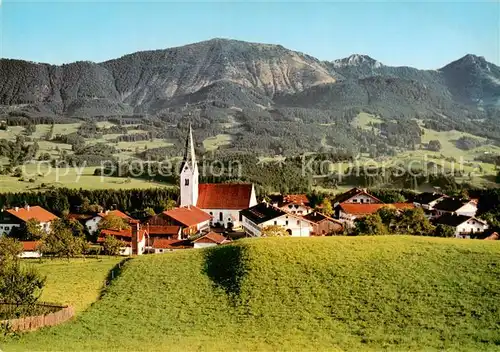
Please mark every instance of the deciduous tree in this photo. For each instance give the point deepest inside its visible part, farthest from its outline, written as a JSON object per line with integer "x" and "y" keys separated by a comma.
{"x": 274, "y": 231}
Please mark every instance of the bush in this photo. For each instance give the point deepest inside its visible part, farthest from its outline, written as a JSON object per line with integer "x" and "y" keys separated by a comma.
{"x": 444, "y": 231}
{"x": 434, "y": 145}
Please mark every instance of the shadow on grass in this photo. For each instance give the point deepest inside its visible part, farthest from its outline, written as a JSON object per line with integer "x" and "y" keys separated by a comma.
{"x": 224, "y": 265}
{"x": 112, "y": 275}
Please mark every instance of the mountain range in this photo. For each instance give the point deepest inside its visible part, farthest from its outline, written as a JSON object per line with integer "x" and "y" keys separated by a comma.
{"x": 230, "y": 73}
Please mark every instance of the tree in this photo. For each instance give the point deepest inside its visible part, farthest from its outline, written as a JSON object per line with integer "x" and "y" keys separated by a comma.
{"x": 62, "y": 242}
{"x": 370, "y": 225}
{"x": 112, "y": 245}
{"x": 326, "y": 207}
{"x": 149, "y": 211}
{"x": 388, "y": 215}
{"x": 414, "y": 222}
{"x": 18, "y": 285}
{"x": 274, "y": 231}
{"x": 444, "y": 231}
{"x": 434, "y": 145}
{"x": 113, "y": 222}
{"x": 169, "y": 204}
{"x": 498, "y": 177}
{"x": 33, "y": 230}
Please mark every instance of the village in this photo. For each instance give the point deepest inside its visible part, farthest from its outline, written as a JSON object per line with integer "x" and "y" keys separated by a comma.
{"x": 215, "y": 214}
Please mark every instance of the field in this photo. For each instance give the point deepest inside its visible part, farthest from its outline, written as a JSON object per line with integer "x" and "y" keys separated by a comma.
{"x": 44, "y": 176}
{"x": 77, "y": 282}
{"x": 340, "y": 293}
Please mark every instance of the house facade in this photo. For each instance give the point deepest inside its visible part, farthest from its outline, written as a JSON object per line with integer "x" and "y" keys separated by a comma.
{"x": 356, "y": 196}
{"x": 92, "y": 224}
{"x": 323, "y": 225}
{"x": 465, "y": 226}
{"x": 17, "y": 217}
{"x": 254, "y": 219}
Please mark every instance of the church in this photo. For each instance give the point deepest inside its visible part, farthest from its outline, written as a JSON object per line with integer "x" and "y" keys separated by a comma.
{"x": 223, "y": 201}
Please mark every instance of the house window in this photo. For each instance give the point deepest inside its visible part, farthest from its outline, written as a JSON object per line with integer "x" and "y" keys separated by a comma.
{"x": 241, "y": 217}
{"x": 275, "y": 222}
{"x": 221, "y": 216}
{"x": 362, "y": 200}
{"x": 211, "y": 214}
{"x": 186, "y": 182}
{"x": 286, "y": 222}
{"x": 298, "y": 222}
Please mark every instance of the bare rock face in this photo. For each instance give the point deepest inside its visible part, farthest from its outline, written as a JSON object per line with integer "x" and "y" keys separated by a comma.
{"x": 243, "y": 74}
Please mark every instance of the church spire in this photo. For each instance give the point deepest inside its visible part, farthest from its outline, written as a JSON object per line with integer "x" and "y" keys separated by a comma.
{"x": 189, "y": 155}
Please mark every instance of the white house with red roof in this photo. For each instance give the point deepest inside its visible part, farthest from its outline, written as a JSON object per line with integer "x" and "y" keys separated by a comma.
{"x": 16, "y": 217}
{"x": 191, "y": 219}
{"x": 211, "y": 239}
{"x": 134, "y": 239}
{"x": 223, "y": 201}
{"x": 92, "y": 225}
{"x": 292, "y": 203}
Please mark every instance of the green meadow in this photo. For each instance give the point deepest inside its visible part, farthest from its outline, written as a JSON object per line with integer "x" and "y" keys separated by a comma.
{"x": 329, "y": 294}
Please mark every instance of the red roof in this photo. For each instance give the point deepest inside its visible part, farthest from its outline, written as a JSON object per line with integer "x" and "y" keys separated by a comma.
{"x": 188, "y": 216}
{"x": 224, "y": 195}
{"x": 30, "y": 246}
{"x": 163, "y": 230}
{"x": 361, "y": 209}
{"x": 34, "y": 212}
{"x": 365, "y": 209}
{"x": 212, "y": 237}
{"x": 160, "y": 243}
{"x": 115, "y": 213}
{"x": 296, "y": 198}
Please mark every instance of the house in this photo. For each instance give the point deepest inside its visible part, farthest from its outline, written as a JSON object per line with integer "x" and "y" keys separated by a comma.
{"x": 355, "y": 196}
{"x": 161, "y": 245}
{"x": 92, "y": 224}
{"x": 134, "y": 239}
{"x": 464, "y": 225}
{"x": 323, "y": 225}
{"x": 191, "y": 219}
{"x": 454, "y": 205}
{"x": 169, "y": 232}
{"x": 30, "y": 249}
{"x": 16, "y": 217}
{"x": 427, "y": 200}
{"x": 293, "y": 203}
{"x": 211, "y": 239}
{"x": 222, "y": 201}
{"x": 348, "y": 212}
{"x": 254, "y": 219}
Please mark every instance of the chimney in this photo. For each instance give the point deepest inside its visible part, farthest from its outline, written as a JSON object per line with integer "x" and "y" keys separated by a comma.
{"x": 16, "y": 209}
{"x": 107, "y": 212}
{"x": 27, "y": 207}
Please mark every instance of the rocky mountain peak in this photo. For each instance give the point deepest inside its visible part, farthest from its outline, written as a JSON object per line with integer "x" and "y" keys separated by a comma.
{"x": 357, "y": 60}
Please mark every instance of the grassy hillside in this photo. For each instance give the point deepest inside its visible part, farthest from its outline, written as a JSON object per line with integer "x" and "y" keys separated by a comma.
{"x": 343, "y": 293}
{"x": 77, "y": 282}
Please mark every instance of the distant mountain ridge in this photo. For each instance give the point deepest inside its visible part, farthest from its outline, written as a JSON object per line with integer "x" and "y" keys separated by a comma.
{"x": 232, "y": 73}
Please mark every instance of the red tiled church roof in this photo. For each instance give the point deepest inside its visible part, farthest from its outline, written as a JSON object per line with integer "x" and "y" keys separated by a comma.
{"x": 188, "y": 216}
{"x": 224, "y": 196}
{"x": 35, "y": 212}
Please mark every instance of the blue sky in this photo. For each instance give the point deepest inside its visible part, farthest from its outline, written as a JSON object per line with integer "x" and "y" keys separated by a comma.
{"x": 424, "y": 35}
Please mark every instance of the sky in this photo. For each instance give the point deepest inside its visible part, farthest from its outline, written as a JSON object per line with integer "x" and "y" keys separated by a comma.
{"x": 425, "y": 35}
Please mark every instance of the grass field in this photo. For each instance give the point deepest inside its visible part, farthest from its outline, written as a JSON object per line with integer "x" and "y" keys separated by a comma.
{"x": 213, "y": 143}
{"x": 78, "y": 282}
{"x": 340, "y": 293}
{"x": 45, "y": 176}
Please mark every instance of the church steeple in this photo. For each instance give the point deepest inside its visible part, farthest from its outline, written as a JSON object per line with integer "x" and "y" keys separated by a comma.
{"x": 189, "y": 155}
{"x": 189, "y": 173}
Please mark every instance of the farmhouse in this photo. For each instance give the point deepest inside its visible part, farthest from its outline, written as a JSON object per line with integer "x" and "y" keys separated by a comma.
{"x": 92, "y": 224}
{"x": 16, "y": 217}
{"x": 222, "y": 201}
{"x": 348, "y": 212}
{"x": 30, "y": 249}
{"x": 323, "y": 225}
{"x": 356, "y": 196}
{"x": 211, "y": 239}
{"x": 452, "y": 205}
{"x": 293, "y": 203}
{"x": 254, "y": 219}
{"x": 161, "y": 245}
{"x": 427, "y": 200}
{"x": 191, "y": 219}
{"x": 134, "y": 239}
{"x": 465, "y": 226}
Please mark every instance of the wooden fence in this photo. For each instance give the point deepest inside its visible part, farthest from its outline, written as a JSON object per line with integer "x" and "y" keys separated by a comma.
{"x": 59, "y": 314}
